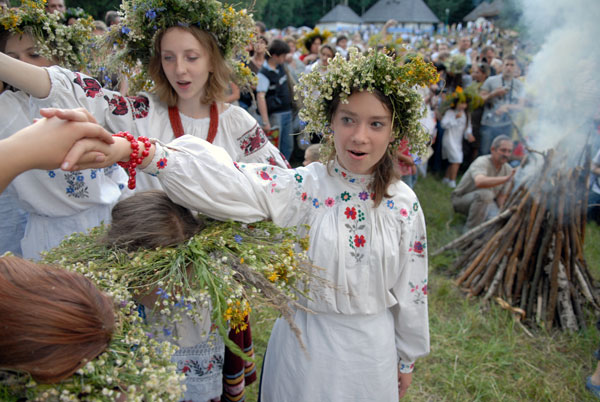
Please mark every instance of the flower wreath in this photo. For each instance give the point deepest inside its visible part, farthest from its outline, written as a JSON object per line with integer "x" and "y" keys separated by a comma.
{"x": 470, "y": 95}
{"x": 75, "y": 12}
{"x": 68, "y": 45}
{"x": 373, "y": 70}
{"x": 141, "y": 20}
{"x": 309, "y": 37}
{"x": 224, "y": 267}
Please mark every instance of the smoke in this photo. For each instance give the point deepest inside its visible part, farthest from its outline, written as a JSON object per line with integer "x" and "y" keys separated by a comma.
{"x": 563, "y": 80}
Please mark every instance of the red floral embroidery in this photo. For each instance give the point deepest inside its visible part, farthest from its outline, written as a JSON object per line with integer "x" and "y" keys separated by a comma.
{"x": 117, "y": 105}
{"x": 304, "y": 196}
{"x": 264, "y": 175}
{"x": 329, "y": 202}
{"x": 359, "y": 241}
{"x": 372, "y": 196}
{"x": 424, "y": 290}
{"x": 418, "y": 247}
{"x": 162, "y": 163}
{"x": 185, "y": 369}
{"x": 404, "y": 212}
{"x": 89, "y": 85}
{"x": 350, "y": 213}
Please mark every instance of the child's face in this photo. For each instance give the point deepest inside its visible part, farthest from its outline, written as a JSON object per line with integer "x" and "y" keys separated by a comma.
{"x": 185, "y": 62}
{"x": 462, "y": 106}
{"x": 362, "y": 132}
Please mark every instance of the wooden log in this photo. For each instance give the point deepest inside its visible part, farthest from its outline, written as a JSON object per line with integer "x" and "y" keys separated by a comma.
{"x": 586, "y": 289}
{"x": 566, "y": 313}
{"x": 556, "y": 260}
{"x": 496, "y": 281}
{"x": 468, "y": 255}
{"x": 474, "y": 233}
{"x": 577, "y": 306}
{"x": 506, "y": 242}
{"x": 511, "y": 269}
{"x": 524, "y": 268}
{"x": 537, "y": 278}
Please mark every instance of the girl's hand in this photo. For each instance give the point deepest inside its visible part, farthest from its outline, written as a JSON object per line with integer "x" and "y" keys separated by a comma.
{"x": 46, "y": 142}
{"x": 82, "y": 154}
{"x": 470, "y": 138}
{"x": 404, "y": 381}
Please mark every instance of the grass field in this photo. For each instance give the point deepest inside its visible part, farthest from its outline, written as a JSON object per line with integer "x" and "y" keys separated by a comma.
{"x": 478, "y": 352}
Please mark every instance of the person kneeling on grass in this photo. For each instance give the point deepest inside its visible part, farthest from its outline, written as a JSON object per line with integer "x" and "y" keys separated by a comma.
{"x": 483, "y": 188}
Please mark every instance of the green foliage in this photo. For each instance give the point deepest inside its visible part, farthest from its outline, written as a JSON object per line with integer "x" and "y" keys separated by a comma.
{"x": 97, "y": 8}
{"x": 457, "y": 9}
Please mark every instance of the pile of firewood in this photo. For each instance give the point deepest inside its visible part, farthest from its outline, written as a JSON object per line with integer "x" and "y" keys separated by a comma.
{"x": 531, "y": 255}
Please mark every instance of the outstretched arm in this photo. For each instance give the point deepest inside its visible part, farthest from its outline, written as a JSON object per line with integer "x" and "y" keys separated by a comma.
{"x": 43, "y": 145}
{"x": 29, "y": 78}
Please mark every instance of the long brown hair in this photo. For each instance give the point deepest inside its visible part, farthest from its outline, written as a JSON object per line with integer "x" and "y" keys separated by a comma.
{"x": 167, "y": 223}
{"x": 385, "y": 171}
{"x": 52, "y": 321}
{"x": 218, "y": 79}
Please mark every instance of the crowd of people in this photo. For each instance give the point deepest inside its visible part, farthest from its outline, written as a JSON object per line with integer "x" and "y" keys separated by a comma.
{"x": 216, "y": 131}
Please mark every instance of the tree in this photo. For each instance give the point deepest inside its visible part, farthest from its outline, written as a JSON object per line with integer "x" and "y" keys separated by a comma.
{"x": 97, "y": 8}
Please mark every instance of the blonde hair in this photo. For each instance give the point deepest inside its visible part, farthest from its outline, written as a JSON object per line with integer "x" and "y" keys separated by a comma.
{"x": 218, "y": 79}
{"x": 311, "y": 154}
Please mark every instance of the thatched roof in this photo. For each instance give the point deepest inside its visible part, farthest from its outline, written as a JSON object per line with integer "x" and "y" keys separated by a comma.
{"x": 341, "y": 13}
{"x": 401, "y": 11}
{"x": 485, "y": 10}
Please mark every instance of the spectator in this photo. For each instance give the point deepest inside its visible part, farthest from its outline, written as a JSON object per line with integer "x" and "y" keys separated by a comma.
{"x": 503, "y": 94}
{"x": 479, "y": 73}
{"x": 99, "y": 28}
{"x": 326, "y": 53}
{"x": 483, "y": 189}
{"x": 594, "y": 198}
{"x": 311, "y": 154}
{"x": 112, "y": 18}
{"x": 341, "y": 45}
{"x": 457, "y": 125}
{"x": 53, "y": 6}
{"x": 275, "y": 96}
{"x": 488, "y": 54}
{"x": 464, "y": 48}
{"x": 293, "y": 63}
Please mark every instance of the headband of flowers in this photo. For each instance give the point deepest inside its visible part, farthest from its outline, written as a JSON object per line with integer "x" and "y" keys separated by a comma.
{"x": 469, "y": 95}
{"x": 309, "y": 37}
{"x": 368, "y": 72}
{"x": 142, "y": 20}
{"x": 68, "y": 45}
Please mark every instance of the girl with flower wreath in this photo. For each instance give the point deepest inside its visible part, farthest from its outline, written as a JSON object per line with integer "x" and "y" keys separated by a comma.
{"x": 456, "y": 123}
{"x": 366, "y": 228}
{"x": 185, "y": 50}
{"x": 41, "y": 207}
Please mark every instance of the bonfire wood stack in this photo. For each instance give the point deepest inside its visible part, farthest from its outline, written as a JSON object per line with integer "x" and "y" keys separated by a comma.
{"x": 531, "y": 255}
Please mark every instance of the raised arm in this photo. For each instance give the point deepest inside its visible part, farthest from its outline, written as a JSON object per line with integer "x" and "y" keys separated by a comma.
{"x": 29, "y": 78}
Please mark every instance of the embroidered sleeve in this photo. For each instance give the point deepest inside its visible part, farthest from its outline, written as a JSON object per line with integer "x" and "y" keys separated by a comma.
{"x": 410, "y": 313}
{"x": 112, "y": 110}
{"x": 203, "y": 177}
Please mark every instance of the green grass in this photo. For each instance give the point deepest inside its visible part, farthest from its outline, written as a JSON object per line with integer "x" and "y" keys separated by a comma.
{"x": 478, "y": 351}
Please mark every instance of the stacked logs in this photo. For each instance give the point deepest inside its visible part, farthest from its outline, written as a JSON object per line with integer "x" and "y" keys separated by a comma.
{"x": 531, "y": 255}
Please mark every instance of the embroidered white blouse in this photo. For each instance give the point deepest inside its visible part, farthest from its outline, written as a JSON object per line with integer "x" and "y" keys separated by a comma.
{"x": 144, "y": 114}
{"x": 374, "y": 256}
